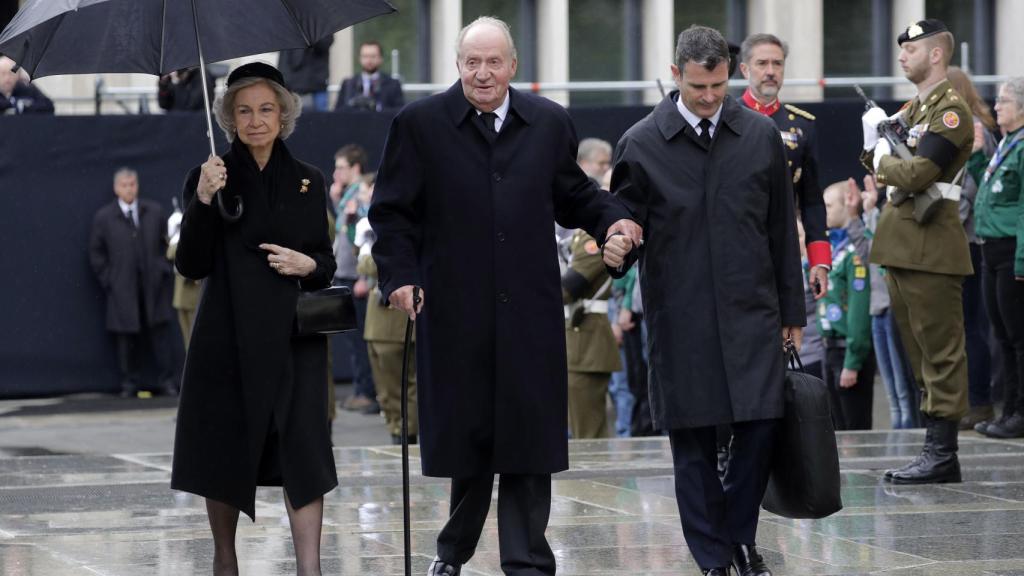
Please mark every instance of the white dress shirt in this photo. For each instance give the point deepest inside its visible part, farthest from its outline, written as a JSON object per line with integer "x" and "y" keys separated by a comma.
{"x": 501, "y": 112}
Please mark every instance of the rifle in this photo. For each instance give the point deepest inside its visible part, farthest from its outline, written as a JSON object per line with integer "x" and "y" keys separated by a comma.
{"x": 896, "y": 131}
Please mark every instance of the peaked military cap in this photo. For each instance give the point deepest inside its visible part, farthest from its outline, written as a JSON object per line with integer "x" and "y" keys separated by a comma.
{"x": 922, "y": 29}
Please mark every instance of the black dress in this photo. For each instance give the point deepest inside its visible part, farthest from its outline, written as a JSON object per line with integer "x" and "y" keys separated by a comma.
{"x": 253, "y": 407}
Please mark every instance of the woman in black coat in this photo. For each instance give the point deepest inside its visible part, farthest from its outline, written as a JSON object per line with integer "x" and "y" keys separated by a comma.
{"x": 253, "y": 405}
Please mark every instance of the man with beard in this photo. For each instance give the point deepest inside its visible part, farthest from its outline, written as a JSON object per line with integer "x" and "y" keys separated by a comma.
{"x": 922, "y": 244}
{"x": 763, "y": 64}
{"x": 371, "y": 89}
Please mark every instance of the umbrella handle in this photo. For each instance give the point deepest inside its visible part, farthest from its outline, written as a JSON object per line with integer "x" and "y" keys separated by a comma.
{"x": 227, "y": 216}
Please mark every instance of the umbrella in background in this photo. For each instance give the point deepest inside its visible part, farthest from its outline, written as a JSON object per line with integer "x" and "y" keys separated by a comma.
{"x": 48, "y": 37}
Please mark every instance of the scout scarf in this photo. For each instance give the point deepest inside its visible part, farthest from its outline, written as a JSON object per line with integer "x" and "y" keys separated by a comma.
{"x": 1004, "y": 149}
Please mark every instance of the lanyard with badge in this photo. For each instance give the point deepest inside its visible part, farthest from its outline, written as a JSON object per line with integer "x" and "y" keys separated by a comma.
{"x": 1002, "y": 151}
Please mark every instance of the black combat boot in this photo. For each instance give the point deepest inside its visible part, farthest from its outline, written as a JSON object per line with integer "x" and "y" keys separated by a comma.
{"x": 940, "y": 464}
{"x": 924, "y": 453}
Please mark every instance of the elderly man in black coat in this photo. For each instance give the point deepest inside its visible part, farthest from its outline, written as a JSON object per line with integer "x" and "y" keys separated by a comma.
{"x": 470, "y": 187}
{"x": 721, "y": 284}
{"x": 127, "y": 251}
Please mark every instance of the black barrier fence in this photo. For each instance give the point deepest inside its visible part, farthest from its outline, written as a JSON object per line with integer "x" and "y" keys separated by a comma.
{"x": 56, "y": 172}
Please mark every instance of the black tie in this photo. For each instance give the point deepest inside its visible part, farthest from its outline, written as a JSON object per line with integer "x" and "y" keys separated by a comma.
{"x": 131, "y": 219}
{"x": 705, "y": 132}
{"x": 489, "y": 118}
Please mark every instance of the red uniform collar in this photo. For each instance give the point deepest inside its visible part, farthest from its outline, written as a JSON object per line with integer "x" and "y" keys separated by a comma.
{"x": 758, "y": 107}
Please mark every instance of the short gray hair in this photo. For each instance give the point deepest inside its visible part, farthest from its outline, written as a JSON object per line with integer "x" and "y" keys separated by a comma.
{"x": 1015, "y": 89}
{"x": 223, "y": 106}
{"x": 757, "y": 39}
{"x": 590, "y": 146}
{"x": 489, "y": 21}
{"x": 126, "y": 172}
{"x": 702, "y": 45}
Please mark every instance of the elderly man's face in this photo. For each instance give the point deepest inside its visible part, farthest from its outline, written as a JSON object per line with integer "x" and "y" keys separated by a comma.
{"x": 8, "y": 78}
{"x": 486, "y": 66}
{"x": 126, "y": 187}
{"x": 700, "y": 89}
{"x": 596, "y": 164}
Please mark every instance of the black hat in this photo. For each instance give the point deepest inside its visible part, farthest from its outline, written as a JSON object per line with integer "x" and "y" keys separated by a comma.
{"x": 256, "y": 70}
{"x": 922, "y": 29}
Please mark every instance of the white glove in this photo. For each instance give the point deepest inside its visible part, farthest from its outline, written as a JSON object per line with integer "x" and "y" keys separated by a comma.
{"x": 881, "y": 149}
{"x": 870, "y": 121}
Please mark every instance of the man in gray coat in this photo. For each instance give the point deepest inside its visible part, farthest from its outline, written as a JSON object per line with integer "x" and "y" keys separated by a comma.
{"x": 706, "y": 179}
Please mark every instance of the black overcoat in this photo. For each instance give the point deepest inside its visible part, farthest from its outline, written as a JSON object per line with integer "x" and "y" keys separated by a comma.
{"x": 118, "y": 252}
{"x": 720, "y": 267}
{"x": 253, "y": 406}
{"x": 473, "y": 224}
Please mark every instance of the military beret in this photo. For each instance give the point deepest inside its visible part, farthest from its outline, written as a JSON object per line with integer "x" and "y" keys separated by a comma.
{"x": 256, "y": 70}
{"x": 922, "y": 29}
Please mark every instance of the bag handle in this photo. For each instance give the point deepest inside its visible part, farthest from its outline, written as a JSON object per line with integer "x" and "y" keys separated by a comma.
{"x": 792, "y": 356}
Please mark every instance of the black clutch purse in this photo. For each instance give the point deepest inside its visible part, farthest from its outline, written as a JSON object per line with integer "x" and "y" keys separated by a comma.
{"x": 804, "y": 481}
{"x": 326, "y": 311}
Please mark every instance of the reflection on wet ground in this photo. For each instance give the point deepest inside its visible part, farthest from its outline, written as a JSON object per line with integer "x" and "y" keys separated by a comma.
{"x": 613, "y": 513}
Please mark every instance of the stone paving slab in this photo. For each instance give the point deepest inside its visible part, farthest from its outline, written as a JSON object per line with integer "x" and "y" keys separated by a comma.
{"x": 613, "y": 513}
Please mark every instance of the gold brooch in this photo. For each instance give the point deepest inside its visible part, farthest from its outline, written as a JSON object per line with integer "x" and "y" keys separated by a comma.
{"x": 305, "y": 186}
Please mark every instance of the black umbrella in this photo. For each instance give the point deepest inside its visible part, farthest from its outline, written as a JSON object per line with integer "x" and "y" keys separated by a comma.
{"x": 48, "y": 37}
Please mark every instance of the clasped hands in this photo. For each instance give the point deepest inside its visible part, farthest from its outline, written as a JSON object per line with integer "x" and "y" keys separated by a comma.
{"x": 621, "y": 238}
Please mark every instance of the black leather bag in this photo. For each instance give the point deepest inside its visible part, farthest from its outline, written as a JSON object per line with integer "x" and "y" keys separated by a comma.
{"x": 326, "y": 311}
{"x": 804, "y": 481}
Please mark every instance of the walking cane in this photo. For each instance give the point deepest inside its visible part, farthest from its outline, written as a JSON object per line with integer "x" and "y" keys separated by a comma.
{"x": 405, "y": 435}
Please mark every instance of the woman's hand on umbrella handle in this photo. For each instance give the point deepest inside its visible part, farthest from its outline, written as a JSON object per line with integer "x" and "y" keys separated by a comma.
{"x": 213, "y": 176}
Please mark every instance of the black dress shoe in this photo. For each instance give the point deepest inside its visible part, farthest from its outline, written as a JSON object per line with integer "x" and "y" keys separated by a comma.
{"x": 1012, "y": 427}
{"x": 716, "y": 572}
{"x": 748, "y": 562}
{"x": 441, "y": 568}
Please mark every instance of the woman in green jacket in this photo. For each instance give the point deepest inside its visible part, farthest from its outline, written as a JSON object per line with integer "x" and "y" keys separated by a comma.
{"x": 999, "y": 223}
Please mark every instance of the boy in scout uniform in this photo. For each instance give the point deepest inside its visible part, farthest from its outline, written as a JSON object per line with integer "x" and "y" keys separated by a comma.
{"x": 922, "y": 244}
{"x": 384, "y": 333}
{"x": 589, "y": 342}
{"x": 844, "y": 321}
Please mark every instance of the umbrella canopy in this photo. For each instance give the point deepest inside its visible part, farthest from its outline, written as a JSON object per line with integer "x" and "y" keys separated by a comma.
{"x": 49, "y": 37}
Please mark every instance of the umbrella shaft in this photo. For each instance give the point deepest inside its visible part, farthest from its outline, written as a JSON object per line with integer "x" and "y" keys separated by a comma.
{"x": 202, "y": 76}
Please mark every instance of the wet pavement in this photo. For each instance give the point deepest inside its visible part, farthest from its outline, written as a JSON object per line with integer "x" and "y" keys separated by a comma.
{"x": 109, "y": 511}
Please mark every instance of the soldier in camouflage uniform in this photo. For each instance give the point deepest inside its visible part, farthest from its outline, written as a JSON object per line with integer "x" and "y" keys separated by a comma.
{"x": 589, "y": 342}
{"x": 926, "y": 255}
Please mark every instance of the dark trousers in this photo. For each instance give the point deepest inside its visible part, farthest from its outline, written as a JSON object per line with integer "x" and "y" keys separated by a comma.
{"x": 851, "y": 407}
{"x": 362, "y": 376}
{"x": 636, "y": 375}
{"x": 716, "y": 514}
{"x": 130, "y": 350}
{"x": 976, "y": 332}
{"x": 524, "y": 505}
{"x": 1004, "y": 299}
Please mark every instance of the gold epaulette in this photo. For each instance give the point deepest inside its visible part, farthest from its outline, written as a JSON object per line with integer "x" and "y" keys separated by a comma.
{"x": 798, "y": 111}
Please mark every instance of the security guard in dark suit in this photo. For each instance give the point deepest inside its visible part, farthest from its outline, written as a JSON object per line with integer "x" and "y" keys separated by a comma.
{"x": 763, "y": 63}
{"x": 922, "y": 244}
{"x": 590, "y": 345}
